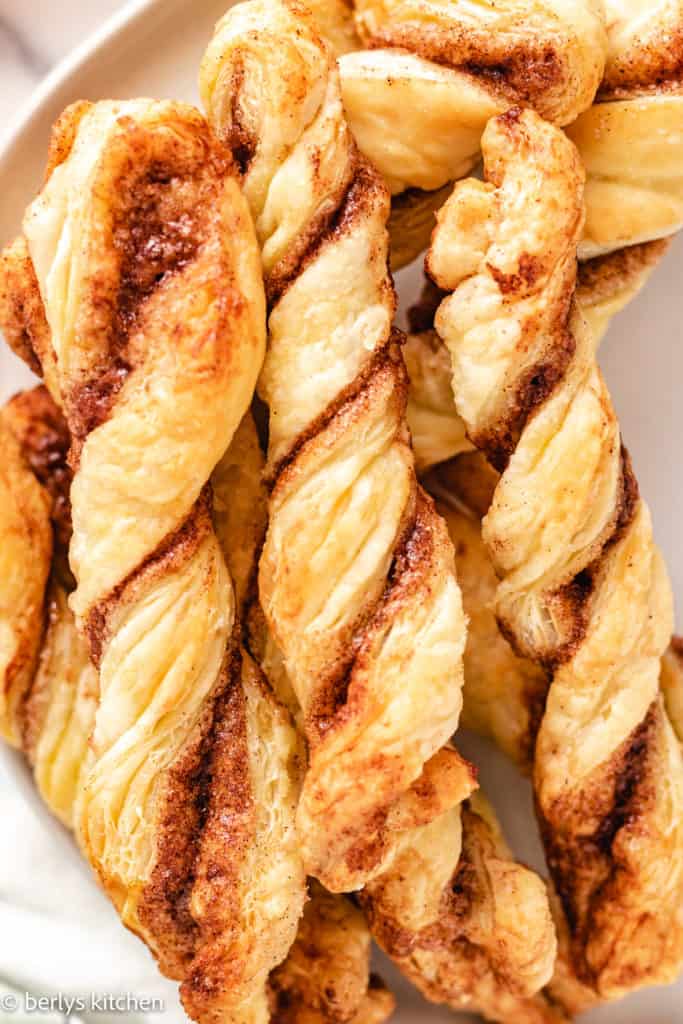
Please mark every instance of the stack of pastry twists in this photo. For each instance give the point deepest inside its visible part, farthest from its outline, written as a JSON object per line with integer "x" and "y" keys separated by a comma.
{"x": 583, "y": 592}
{"x": 137, "y": 287}
{"x": 57, "y": 711}
{"x": 432, "y": 60}
{"x": 338, "y": 460}
{"x": 357, "y": 577}
{"x": 202, "y": 790}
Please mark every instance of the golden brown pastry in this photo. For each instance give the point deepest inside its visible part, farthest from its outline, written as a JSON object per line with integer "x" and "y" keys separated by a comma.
{"x": 326, "y": 977}
{"x": 437, "y": 431}
{"x": 137, "y": 286}
{"x": 548, "y": 54}
{"x": 644, "y": 44}
{"x": 630, "y": 140}
{"x": 605, "y": 286}
{"x": 671, "y": 681}
{"x": 632, "y": 148}
{"x": 466, "y": 923}
{"x": 357, "y": 577}
{"x": 411, "y": 222}
{"x": 504, "y": 694}
{"x": 333, "y": 943}
{"x": 57, "y": 707}
{"x": 443, "y": 112}
{"x": 25, "y": 557}
{"x": 334, "y": 20}
{"x": 583, "y": 590}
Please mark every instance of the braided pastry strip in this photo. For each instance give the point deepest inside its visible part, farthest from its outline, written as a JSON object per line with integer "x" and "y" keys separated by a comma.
{"x": 584, "y": 591}
{"x": 357, "y": 577}
{"x": 141, "y": 249}
{"x": 630, "y": 141}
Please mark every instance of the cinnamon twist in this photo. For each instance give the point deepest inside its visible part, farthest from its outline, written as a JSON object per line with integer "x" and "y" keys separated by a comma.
{"x": 584, "y": 591}
{"x": 325, "y": 977}
{"x": 467, "y": 924}
{"x": 605, "y": 286}
{"x": 630, "y": 139}
{"x": 137, "y": 288}
{"x": 357, "y": 577}
{"x": 25, "y": 540}
{"x": 548, "y": 55}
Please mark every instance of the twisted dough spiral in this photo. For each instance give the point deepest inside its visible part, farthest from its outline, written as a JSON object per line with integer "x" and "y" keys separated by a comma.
{"x": 584, "y": 591}
{"x": 548, "y": 54}
{"x": 357, "y": 576}
{"x": 138, "y": 288}
{"x": 466, "y": 924}
{"x": 605, "y": 286}
{"x": 630, "y": 141}
{"x": 332, "y": 947}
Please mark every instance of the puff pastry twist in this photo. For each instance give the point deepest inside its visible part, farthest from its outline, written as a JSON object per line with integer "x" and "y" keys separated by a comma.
{"x": 549, "y": 54}
{"x": 630, "y": 140}
{"x": 52, "y": 712}
{"x": 137, "y": 288}
{"x": 584, "y": 591}
{"x": 467, "y": 924}
{"x": 357, "y": 576}
{"x": 325, "y": 977}
{"x": 605, "y": 286}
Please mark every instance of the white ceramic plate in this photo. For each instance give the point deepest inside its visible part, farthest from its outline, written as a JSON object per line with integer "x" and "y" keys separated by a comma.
{"x": 153, "y": 47}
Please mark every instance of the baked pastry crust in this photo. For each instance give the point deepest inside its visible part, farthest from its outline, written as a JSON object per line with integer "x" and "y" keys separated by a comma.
{"x": 137, "y": 287}
{"x": 357, "y": 577}
{"x": 467, "y": 924}
{"x": 57, "y": 708}
{"x": 632, "y": 148}
{"x": 549, "y": 55}
{"x": 25, "y": 557}
{"x": 645, "y": 45}
{"x": 326, "y": 976}
{"x": 605, "y": 286}
{"x": 630, "y": 140}
{"x": 584, "y": 592}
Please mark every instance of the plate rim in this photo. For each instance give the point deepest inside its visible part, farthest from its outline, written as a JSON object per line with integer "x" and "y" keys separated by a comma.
{"x": 114, "y": 28}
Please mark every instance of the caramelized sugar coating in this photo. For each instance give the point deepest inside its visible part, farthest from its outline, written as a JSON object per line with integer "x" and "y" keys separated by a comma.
{"x": 357, "y": 576}
{"x": 584, "y": 592}
{"x": 137, "y": 289}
